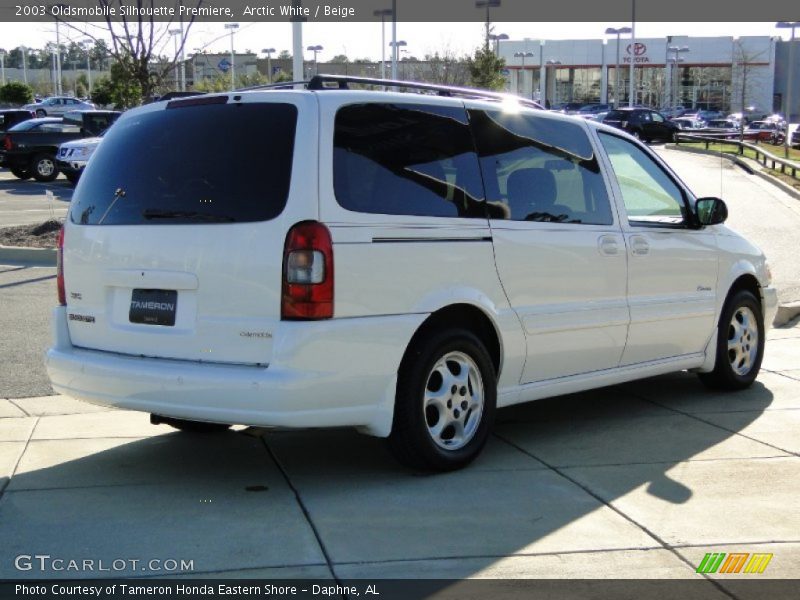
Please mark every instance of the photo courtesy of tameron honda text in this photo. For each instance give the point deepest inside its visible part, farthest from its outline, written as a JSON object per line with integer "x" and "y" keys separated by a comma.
{"x": 399, "y": 257}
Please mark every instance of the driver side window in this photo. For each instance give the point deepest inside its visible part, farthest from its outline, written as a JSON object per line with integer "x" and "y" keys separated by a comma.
{"x": 650, "y": 196}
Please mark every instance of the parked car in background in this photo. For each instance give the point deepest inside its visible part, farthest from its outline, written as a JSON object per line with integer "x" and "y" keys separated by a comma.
{"x": 12, "y": 116}
{"x": 721, "y": 126}
{"x": 592, "y": 108}
{"x": 569, "y": 108}
{"x": 795, "y": 139}
{"x": 688, "y": 124}
{"x": 374, "y": 270}
{"x": 29, "y": 148}
{"x": 765, "y": 131}
{"x": 643, "y": 123}
{"x": 73, "y": 156}
{"x": 673, "y": 111}
{"x": 57, "y": 105}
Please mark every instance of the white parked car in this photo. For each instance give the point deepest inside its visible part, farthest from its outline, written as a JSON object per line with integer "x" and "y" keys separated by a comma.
{"x": 72, "y": 157}
{"x": 396, "y": 262}
{"x": 57, "y": 106}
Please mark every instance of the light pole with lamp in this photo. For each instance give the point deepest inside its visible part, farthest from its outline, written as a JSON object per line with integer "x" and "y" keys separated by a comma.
{"x": 618, "y": 32}
{"x": 487, "y": 4}
{"x": 315, "y": 50}
{"x": 396, "y": 46}
{"x": 674, "y": 60}
{"x": 2, "y": 66}
{"x": 523, "y": 56}
{"x": 268, "y": 52}
{"x": 175, "y": 33}
{"x": 24, "y": 52}
{"x": 788, "y": 106}
{"x": 232, "y": 27}
{"x": 554, "y": 63}
{"x": 497, "y": 39}
{"x": 632, "y": 98}
{"x": 383, "y": 13}
{"x": 86, "y": 45}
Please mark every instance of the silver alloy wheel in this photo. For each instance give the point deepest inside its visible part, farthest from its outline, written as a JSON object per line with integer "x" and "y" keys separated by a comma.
{"x": 742, "y": 340}
{"x": 453, "y": 401}
{"x": 45, "y": 167}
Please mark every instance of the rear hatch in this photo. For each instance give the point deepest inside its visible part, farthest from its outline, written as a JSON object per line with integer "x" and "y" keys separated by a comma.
{"x": 173, "y": 246}
{"x": 617, "y": 118}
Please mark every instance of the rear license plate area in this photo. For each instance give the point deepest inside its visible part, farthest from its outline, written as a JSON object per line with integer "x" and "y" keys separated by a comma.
{"x": 153, "y": 307}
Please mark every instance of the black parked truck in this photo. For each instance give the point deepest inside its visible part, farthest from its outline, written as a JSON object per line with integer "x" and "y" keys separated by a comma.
{"x": 29, "y": 148}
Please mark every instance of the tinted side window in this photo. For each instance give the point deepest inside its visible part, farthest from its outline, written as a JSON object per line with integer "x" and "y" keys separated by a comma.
{"x": 539, "y": 169}
{"x": 403, "y": 159}
{"x": 649, "y": 195}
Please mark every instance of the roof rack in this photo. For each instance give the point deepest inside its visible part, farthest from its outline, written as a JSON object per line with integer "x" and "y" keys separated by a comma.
{"x": 281, "y": 85}
{"x": 318, "y": 83}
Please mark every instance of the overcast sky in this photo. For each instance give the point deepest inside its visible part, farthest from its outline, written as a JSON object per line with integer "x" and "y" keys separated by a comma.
{"x": 363, "y": 40}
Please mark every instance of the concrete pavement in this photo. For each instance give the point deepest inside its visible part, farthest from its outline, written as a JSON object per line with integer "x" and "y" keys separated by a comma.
{"x": 633, "y": 481}
{"x": 26, "y": 202}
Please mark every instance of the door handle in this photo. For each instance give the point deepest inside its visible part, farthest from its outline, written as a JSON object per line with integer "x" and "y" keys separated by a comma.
{"x": 608, "y": 245}
{"x": 639, "y": 246}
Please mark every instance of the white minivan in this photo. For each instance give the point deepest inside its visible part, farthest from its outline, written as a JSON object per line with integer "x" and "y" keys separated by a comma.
{"x": 402, "y": 263}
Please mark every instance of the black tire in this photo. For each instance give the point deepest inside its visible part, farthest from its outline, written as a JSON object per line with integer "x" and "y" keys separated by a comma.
{"x": 40, "y": 112}
{"x": 44, "y": 167}
{"x": 20, "y": 173}
{"x": 738, "y": 367}
{"x": 72, "y": 177}
{"x": 189, "y": 426}
{"x": 412, "y": 441}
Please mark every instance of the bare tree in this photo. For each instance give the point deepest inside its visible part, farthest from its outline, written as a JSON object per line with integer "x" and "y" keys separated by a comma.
{"x": 143, "y": 47}
{"x": 741, "y": 77}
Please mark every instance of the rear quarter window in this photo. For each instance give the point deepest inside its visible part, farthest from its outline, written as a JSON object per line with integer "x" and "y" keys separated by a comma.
{"x": 406, "y": 159}
{"x": 216, "y": 163}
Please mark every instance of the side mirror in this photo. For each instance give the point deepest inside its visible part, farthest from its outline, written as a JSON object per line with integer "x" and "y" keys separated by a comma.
{"x": 710, "y": 211}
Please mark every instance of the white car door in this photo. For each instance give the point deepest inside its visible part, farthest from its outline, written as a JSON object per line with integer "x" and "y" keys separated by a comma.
{"x": 672, "y": 266}
{"x": 558, "y": 247}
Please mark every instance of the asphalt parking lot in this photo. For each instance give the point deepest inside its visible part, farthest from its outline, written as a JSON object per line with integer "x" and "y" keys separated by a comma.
{"x": 633, "y": 481}
{"x": 26, "y": 202}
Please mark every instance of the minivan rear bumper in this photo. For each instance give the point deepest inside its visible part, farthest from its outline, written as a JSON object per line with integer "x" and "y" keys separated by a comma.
{"x": 343, "y": 373}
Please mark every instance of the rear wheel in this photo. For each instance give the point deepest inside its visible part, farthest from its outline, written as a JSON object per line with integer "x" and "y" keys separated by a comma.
{"x": 189, "y": 426}
{"x": 40, "y": 112}
{"x": 43, "y": 167}
{"x": 20, "y": 173}
{"x": 740, "y": 344}
{"x": 445, "y": 403}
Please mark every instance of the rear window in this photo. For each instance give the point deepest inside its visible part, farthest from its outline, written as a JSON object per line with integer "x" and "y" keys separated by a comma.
{"x": 219, "y": 163}
{"x": 616, "y": 115}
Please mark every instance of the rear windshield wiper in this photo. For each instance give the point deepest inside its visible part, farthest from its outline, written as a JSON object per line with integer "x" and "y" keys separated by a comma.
{"x": 185, "y": 214}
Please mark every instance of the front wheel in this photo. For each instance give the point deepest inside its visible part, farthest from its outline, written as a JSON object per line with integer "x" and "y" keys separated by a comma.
{"x": 740, "y": 344}
{"x": 445, "y": 403}
{"x": 43, "y": 167}
{"x": 41, "y": 113}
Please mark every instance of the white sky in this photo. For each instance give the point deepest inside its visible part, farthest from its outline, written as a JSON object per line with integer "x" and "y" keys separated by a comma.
{"x": 363, "y": 40}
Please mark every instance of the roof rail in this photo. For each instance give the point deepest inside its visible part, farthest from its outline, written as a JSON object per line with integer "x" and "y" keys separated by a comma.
{"x": 281, "y": 85}
{"x": 318, "y": 83}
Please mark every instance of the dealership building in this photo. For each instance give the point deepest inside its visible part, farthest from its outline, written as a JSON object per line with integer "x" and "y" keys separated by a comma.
{"x": 719, "y": 73}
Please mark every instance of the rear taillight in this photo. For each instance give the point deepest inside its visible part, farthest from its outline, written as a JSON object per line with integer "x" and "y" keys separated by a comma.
{"x": 307, "y": 273}
{"x": 7, "y": 143}
{"x": 62, "y": 293}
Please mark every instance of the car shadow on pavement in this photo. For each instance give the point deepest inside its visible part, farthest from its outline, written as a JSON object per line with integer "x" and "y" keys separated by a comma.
{"x": 549, "y": 485}
{"x": 61, "y": 188}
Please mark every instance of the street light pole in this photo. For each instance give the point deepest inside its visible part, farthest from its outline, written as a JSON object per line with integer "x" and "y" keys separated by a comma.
{"x": 523, "y": 56}
{"x": 383, "y": 13}
{"x": 86, "y": 44}
{"x": 487, "y": 4}
{"x": 618, "y": 31}
{"x": 632, "y": 99}
{"x": 268, "y": 52}
{"x": 232, "y": 27}
{"x": 395, "y": 52}
{"x": 2, "y": 66}
{"x": 675, "y": 60}
{"x": 315, "y": 49}
{"x": 788, "y": 107}
{"x": 175, "y": 33}
{"x": 394, "y": 39}
{"x": 24, "y": 51}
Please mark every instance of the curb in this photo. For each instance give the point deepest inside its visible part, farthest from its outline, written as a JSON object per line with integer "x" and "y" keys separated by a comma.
{"x": 786, "y": 313}
{"x": 745, "y": 164}
{"x": 38, "y": 257}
